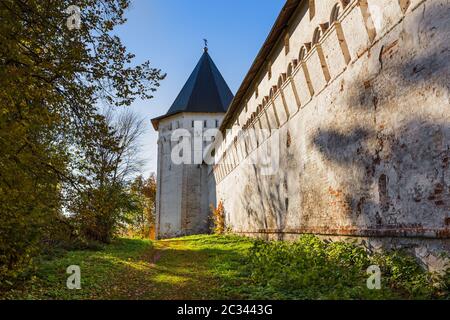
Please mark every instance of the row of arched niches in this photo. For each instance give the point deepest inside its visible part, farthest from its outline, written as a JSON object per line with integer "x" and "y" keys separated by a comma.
{"x": 351, "y": 30}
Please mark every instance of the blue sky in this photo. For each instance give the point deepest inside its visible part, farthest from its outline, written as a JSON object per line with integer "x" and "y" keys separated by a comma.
{"x": 169, "y": 33}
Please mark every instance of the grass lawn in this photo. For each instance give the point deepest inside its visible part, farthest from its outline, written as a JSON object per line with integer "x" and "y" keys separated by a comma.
{"x": 196, "y": 267}
{"x": 137, "y": 269}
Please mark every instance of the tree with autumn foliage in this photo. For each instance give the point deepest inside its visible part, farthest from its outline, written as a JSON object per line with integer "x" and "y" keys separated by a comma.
{"x": 218, "y": 218}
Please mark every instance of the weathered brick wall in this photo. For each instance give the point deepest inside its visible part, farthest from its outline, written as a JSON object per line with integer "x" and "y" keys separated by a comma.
{"x": 364, "y": 130}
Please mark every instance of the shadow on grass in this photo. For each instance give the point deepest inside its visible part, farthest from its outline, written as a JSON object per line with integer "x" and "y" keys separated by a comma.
{"x": 188, "y": 268}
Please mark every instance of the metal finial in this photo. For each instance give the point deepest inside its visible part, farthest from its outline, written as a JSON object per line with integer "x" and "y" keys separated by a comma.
{"x": 206, "y": 44}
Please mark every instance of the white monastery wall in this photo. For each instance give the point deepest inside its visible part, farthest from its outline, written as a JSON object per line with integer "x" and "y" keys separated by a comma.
{"x": 364, "y": 128}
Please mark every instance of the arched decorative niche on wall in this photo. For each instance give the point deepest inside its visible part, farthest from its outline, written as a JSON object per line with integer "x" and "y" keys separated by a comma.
{"x": 280, "y": 81}
{"x": 338, "y": 8}
{"x": 303, "y": 52}
{"x": 312, "y": 9}
{"x": 335, "y": 12}
{"x": 316, "y": 36}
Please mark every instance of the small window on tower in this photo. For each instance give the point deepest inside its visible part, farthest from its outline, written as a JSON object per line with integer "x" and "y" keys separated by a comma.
{"x": 205, "y": 124}
{"x": 269, "y": 70}
{"x": 217, "y": 123}
{"x": 256, "y": 93}
{"x": 193, "y": 124}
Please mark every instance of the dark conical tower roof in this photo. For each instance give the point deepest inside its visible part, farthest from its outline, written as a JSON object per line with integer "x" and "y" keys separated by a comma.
{"x": 204, "y": 91}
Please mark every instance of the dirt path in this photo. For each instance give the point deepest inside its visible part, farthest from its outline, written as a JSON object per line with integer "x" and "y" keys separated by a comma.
{"x": 189, "y": 268}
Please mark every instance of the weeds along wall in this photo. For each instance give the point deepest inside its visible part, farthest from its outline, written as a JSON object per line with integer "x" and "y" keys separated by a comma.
{"x": 359, "y": 94}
